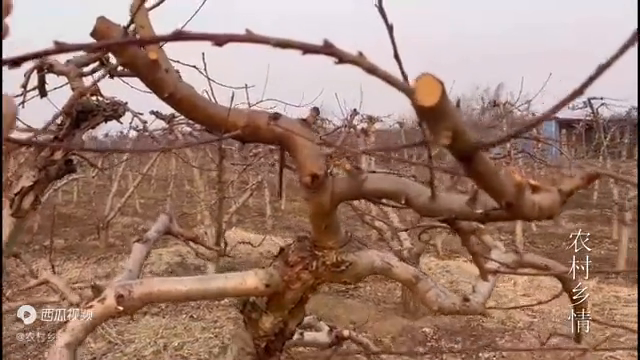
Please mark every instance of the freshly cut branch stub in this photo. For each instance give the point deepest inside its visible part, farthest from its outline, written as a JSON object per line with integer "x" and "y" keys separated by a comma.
{"x": 428, "y": 90}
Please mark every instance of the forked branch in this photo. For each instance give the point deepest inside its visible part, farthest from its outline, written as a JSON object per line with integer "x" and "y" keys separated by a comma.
{"x": 310, "y": 261}
{"x": 524, "y": 199}
{"x": 126, "y": 294}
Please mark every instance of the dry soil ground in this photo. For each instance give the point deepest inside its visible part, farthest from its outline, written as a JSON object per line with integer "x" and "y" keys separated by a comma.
{"x": 201, "y": 330}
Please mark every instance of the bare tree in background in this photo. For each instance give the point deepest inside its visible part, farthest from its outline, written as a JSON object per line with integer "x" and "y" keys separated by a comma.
{"x": 330, "y": 172}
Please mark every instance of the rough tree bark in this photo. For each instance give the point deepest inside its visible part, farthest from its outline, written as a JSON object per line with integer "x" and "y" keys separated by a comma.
{"x": 281, "y": 291}
{"x": 312, "y": 260}
{"x": 80, "y": 114}
{"x": 624, "y": 221}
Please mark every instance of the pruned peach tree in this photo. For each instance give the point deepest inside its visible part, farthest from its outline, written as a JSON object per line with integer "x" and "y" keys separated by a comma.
{"x": 275, "y": 297}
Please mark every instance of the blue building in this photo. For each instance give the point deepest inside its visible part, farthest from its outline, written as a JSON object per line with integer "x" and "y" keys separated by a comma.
{"x": 551, "y": 134}
{"x": 551, "y": 130}
{"x": 584, "y": 139}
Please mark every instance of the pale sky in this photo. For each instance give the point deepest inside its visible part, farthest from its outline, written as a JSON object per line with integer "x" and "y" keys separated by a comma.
{"x": 472, "y": 44}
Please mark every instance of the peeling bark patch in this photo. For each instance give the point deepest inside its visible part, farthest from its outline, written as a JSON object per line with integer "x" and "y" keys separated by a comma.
{"x": 332, "y": 262}
{"x": 272, "y": 322}
{"x": 270, "y": 332}
{"x": 300, "y": 262}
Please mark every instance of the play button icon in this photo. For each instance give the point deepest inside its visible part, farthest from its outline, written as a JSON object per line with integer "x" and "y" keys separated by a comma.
{"x": 27, "y": 314}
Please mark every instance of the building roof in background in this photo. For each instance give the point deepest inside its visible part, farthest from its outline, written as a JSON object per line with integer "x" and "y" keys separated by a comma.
{"x": 573, "y": 120}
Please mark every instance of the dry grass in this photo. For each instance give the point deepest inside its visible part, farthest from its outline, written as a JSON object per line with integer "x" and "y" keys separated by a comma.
{"x": 203, "y": 330}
